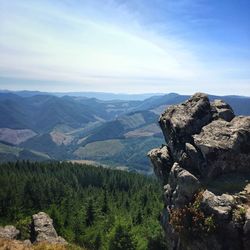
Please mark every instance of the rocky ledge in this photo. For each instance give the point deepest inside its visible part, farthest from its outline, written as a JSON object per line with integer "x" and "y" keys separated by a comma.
{"x": 205, "y": 143}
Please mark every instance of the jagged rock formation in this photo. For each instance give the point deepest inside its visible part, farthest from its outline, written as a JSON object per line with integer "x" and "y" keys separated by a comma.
{"x": 42, "y": 229}
{"x": 205, "y": 141}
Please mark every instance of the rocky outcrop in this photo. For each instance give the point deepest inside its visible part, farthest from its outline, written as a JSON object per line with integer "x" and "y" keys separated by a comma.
{"x": 42, "y": 229}
{"x": 9, "y": 232}
{"x": 204, "y": 141}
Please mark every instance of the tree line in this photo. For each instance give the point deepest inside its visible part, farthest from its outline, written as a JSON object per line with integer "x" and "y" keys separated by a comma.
{"x": 94, "y": 207}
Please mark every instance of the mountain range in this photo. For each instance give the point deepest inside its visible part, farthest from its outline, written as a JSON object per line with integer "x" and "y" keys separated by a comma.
{"x": 42, "y": 126}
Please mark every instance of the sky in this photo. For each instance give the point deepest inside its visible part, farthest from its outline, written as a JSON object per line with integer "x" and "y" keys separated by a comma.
{"x": 126, "y": 46}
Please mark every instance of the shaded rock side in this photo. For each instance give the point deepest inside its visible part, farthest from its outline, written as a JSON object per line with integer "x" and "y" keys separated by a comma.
{"x": 162, "y": 161}
{"x": 222, "y": 110}
{"x": 181, "y": 187}
{"x": 181, "y": 121}
{"x": 42, "y": 229}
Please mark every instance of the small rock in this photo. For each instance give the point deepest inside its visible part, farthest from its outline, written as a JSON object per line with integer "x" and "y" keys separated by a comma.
{"x": 220, "y": 206}
{"x": 9, "y": 232}
{"x": 27, "y": 242}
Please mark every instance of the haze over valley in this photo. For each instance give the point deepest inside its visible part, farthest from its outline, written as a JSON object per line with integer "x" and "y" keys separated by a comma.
{"x": 116, "y": 133}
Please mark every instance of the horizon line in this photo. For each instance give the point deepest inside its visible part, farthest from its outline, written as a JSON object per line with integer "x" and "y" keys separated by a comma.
{"x": 118, "y": 93}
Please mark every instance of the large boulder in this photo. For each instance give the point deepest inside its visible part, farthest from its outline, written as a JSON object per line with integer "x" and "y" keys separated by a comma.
{"x": 222, "y": 110}
{"x": 219, "y": 206}
{"x": 9, "y": 232}
{"x": 181, "y": 121}
{"x": 225, "y": 146}
{"x": 42, "y": 229}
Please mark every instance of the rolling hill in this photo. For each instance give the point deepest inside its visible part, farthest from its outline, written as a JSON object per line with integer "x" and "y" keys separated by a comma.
{"x": 45, "y": 126}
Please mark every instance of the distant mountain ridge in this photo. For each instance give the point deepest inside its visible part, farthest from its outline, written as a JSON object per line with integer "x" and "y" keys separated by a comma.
{"x": 105, "y": 96}
{"x": 46, "y": 127}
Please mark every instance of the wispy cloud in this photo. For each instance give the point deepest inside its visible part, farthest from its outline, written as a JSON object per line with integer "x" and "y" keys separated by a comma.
{"x": 118, "y": 46}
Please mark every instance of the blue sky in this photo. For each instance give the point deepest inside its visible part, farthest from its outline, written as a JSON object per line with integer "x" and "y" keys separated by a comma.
{"x": 129, "y": 46}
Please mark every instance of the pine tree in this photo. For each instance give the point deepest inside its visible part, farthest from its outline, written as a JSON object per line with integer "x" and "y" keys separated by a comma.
{"x": 122, "y": 240}
{"x": 57, "y": 219}
{"x": 90, "y": 215}
{"x": 98, "y": 242}
{"x": 139, "y": 218}
{"x": 105, "y": 207}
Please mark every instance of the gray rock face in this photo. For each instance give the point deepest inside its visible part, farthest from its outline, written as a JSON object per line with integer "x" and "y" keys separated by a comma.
{"x": 204, "y": 141}
{"x": 27, "y": 242}
{"x": 9, "y": 232}
{"x": 43, "y": 229}
{"x": 223, "y": 144}
{"x": 222, "y": 110}
{"x": 162, "y": 161}
{"x": 181, "y": 186}
{"x": 220, "y": 206}
{"x": 181, "y": 121}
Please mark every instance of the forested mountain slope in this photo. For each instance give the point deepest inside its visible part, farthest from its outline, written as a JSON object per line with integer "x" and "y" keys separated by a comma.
{"x": 40, "y": 126}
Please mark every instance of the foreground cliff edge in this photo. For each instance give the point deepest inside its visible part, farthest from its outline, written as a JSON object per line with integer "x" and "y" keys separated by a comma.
{"x": 205, "y": 170}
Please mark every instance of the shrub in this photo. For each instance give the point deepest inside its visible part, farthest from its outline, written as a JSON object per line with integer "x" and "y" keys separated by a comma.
{"x": 24, "y": 226}
{"x": 239, "y": 214}
{"x": 190, "y": 221}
